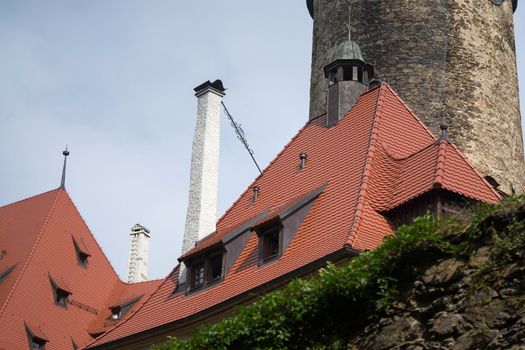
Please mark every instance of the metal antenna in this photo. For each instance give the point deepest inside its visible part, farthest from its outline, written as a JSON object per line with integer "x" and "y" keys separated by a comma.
{"x": 240, "y": 135}
{"x": 63, "y": 182}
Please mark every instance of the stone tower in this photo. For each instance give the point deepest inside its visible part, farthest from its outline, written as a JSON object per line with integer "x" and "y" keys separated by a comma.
{"x": 451, "y": 61}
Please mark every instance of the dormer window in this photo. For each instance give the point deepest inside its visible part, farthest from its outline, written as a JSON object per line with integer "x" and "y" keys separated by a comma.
{"x": 270, "y": 242}
{"x": 60, "y": 292}
{"x": 37, "y": 344}
{"x": 81, "y": 252}
{"x": 205, "y": 270}
{"x": 61, "y": 297}
{"x": 37, "y": 339}
{"x": 197, "y": 275}
{"x": 116, "y": 313}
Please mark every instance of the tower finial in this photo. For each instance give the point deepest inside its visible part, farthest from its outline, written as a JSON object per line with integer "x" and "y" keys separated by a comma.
{"x": 349, "y": 25}
{"x": 63, "y": 182}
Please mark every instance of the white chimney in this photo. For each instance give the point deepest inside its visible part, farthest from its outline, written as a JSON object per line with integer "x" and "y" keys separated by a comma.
{"x": 202, "y": 201}
{"x": 138, "y": 254}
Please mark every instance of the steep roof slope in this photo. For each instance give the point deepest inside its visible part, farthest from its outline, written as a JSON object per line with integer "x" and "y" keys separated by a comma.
{"x": 349, "y": 160}
{"x": 20, "y": 224}
{"x": 40, "y": 233}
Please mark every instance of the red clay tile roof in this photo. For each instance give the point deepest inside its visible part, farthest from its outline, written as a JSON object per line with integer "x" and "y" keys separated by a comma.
{"x": 36, "y": 234}
{"x": 377, "y": 157}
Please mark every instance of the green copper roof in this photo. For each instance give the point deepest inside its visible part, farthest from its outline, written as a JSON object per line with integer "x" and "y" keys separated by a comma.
{"x": 348, "y": 50}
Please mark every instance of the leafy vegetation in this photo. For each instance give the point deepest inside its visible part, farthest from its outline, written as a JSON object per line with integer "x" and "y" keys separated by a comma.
{"x": 319, "y": 312}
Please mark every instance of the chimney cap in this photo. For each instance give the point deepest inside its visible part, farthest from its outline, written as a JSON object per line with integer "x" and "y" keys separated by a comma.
{"x": 217, "y": 86}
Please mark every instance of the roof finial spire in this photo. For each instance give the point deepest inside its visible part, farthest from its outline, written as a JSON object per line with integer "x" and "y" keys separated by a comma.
{"x": 444, "y": 136}
{"x": 63, "y": 182}
{"x": 349, "y": 25}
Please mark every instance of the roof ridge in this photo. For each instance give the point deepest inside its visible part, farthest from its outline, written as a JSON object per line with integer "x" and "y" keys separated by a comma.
{"x": 129, "y": 315}
{"x": 31, "y": 253}
{"x": 455, "y": 149}
{"x": 440, "y": 163}
{"x": 367, "y": 169}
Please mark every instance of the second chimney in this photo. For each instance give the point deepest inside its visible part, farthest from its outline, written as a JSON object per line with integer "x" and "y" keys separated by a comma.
{"x": 202, "y": 201}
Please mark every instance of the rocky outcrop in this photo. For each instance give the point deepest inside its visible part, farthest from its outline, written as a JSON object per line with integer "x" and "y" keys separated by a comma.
{"x": 471, "y": 300}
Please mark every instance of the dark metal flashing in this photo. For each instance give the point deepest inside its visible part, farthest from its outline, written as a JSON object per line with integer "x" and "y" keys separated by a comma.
{"x": 303, "y": 201}
{"x": 225, "y": 305}
{"x": 283, "y": 214}
{"x": 216, "y": 86}
{"x": 214, "y": 247}
{"x": 125, "y": 303}
{"x": 231, "y": 236}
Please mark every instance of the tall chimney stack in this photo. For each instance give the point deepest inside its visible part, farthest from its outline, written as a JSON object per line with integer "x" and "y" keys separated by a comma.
{"x": 138, "y": 254}
{"x": 202, "y": 201}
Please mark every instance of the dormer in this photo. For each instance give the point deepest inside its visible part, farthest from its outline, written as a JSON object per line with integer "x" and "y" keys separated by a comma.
{"x": 81, "y": 251}
{"x": 205, "y": 268}
{"x": 36, "y": 338}
{"x": 61, "y": 292}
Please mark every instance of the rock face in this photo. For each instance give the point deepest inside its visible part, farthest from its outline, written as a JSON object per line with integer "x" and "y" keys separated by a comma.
{"x": 464, "y": 302}
{"x": 450, "y": 60}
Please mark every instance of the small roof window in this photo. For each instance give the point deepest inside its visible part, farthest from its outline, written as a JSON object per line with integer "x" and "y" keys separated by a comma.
{"x": 61, "y": 292}
{"x": 81, "y": 252}
{"x": 120, "y": 310}
{"x": 205, "y": 269}
{"x": 37, "y": 339}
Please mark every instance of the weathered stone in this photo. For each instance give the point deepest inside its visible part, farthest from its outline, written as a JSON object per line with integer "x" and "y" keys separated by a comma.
{"x": 475, "y": 339}
{"x": 479, "y": 258}
{"x": 395, "y": 333}
{"x": 445, "y": 272}
{"x": 452, "y": 59}
{"x": 494, "y": 315}
{"x": 446, "y": 324}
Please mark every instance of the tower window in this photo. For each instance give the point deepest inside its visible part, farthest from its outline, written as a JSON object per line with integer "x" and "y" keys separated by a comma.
{"x": 270, "y": 242}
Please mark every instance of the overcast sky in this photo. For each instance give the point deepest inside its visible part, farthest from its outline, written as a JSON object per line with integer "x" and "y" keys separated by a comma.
{"x": 114, "y": 80}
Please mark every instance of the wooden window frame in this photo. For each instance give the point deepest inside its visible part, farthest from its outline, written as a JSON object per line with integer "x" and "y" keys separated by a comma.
{"x": 264, "y": 234}
{"x": 206, "y": 261}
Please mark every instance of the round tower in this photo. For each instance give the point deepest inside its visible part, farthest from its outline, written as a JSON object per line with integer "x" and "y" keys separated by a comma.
{"x": 451, "y": 61}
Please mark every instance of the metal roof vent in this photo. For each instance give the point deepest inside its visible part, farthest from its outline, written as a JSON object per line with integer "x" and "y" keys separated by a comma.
{"x": 256, "y": 191}
{"x": 302, "y": 160}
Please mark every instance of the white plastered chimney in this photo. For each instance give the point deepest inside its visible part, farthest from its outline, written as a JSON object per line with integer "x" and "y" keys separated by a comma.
{"x": 202, "y": 201}
{"x": 138, "y": 254}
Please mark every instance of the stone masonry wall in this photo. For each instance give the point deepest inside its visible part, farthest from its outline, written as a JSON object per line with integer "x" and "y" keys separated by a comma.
{"x": 449, "y": 60}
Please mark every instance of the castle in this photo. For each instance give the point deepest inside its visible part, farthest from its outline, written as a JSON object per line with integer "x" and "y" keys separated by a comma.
{"x": 404, "y": 120}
